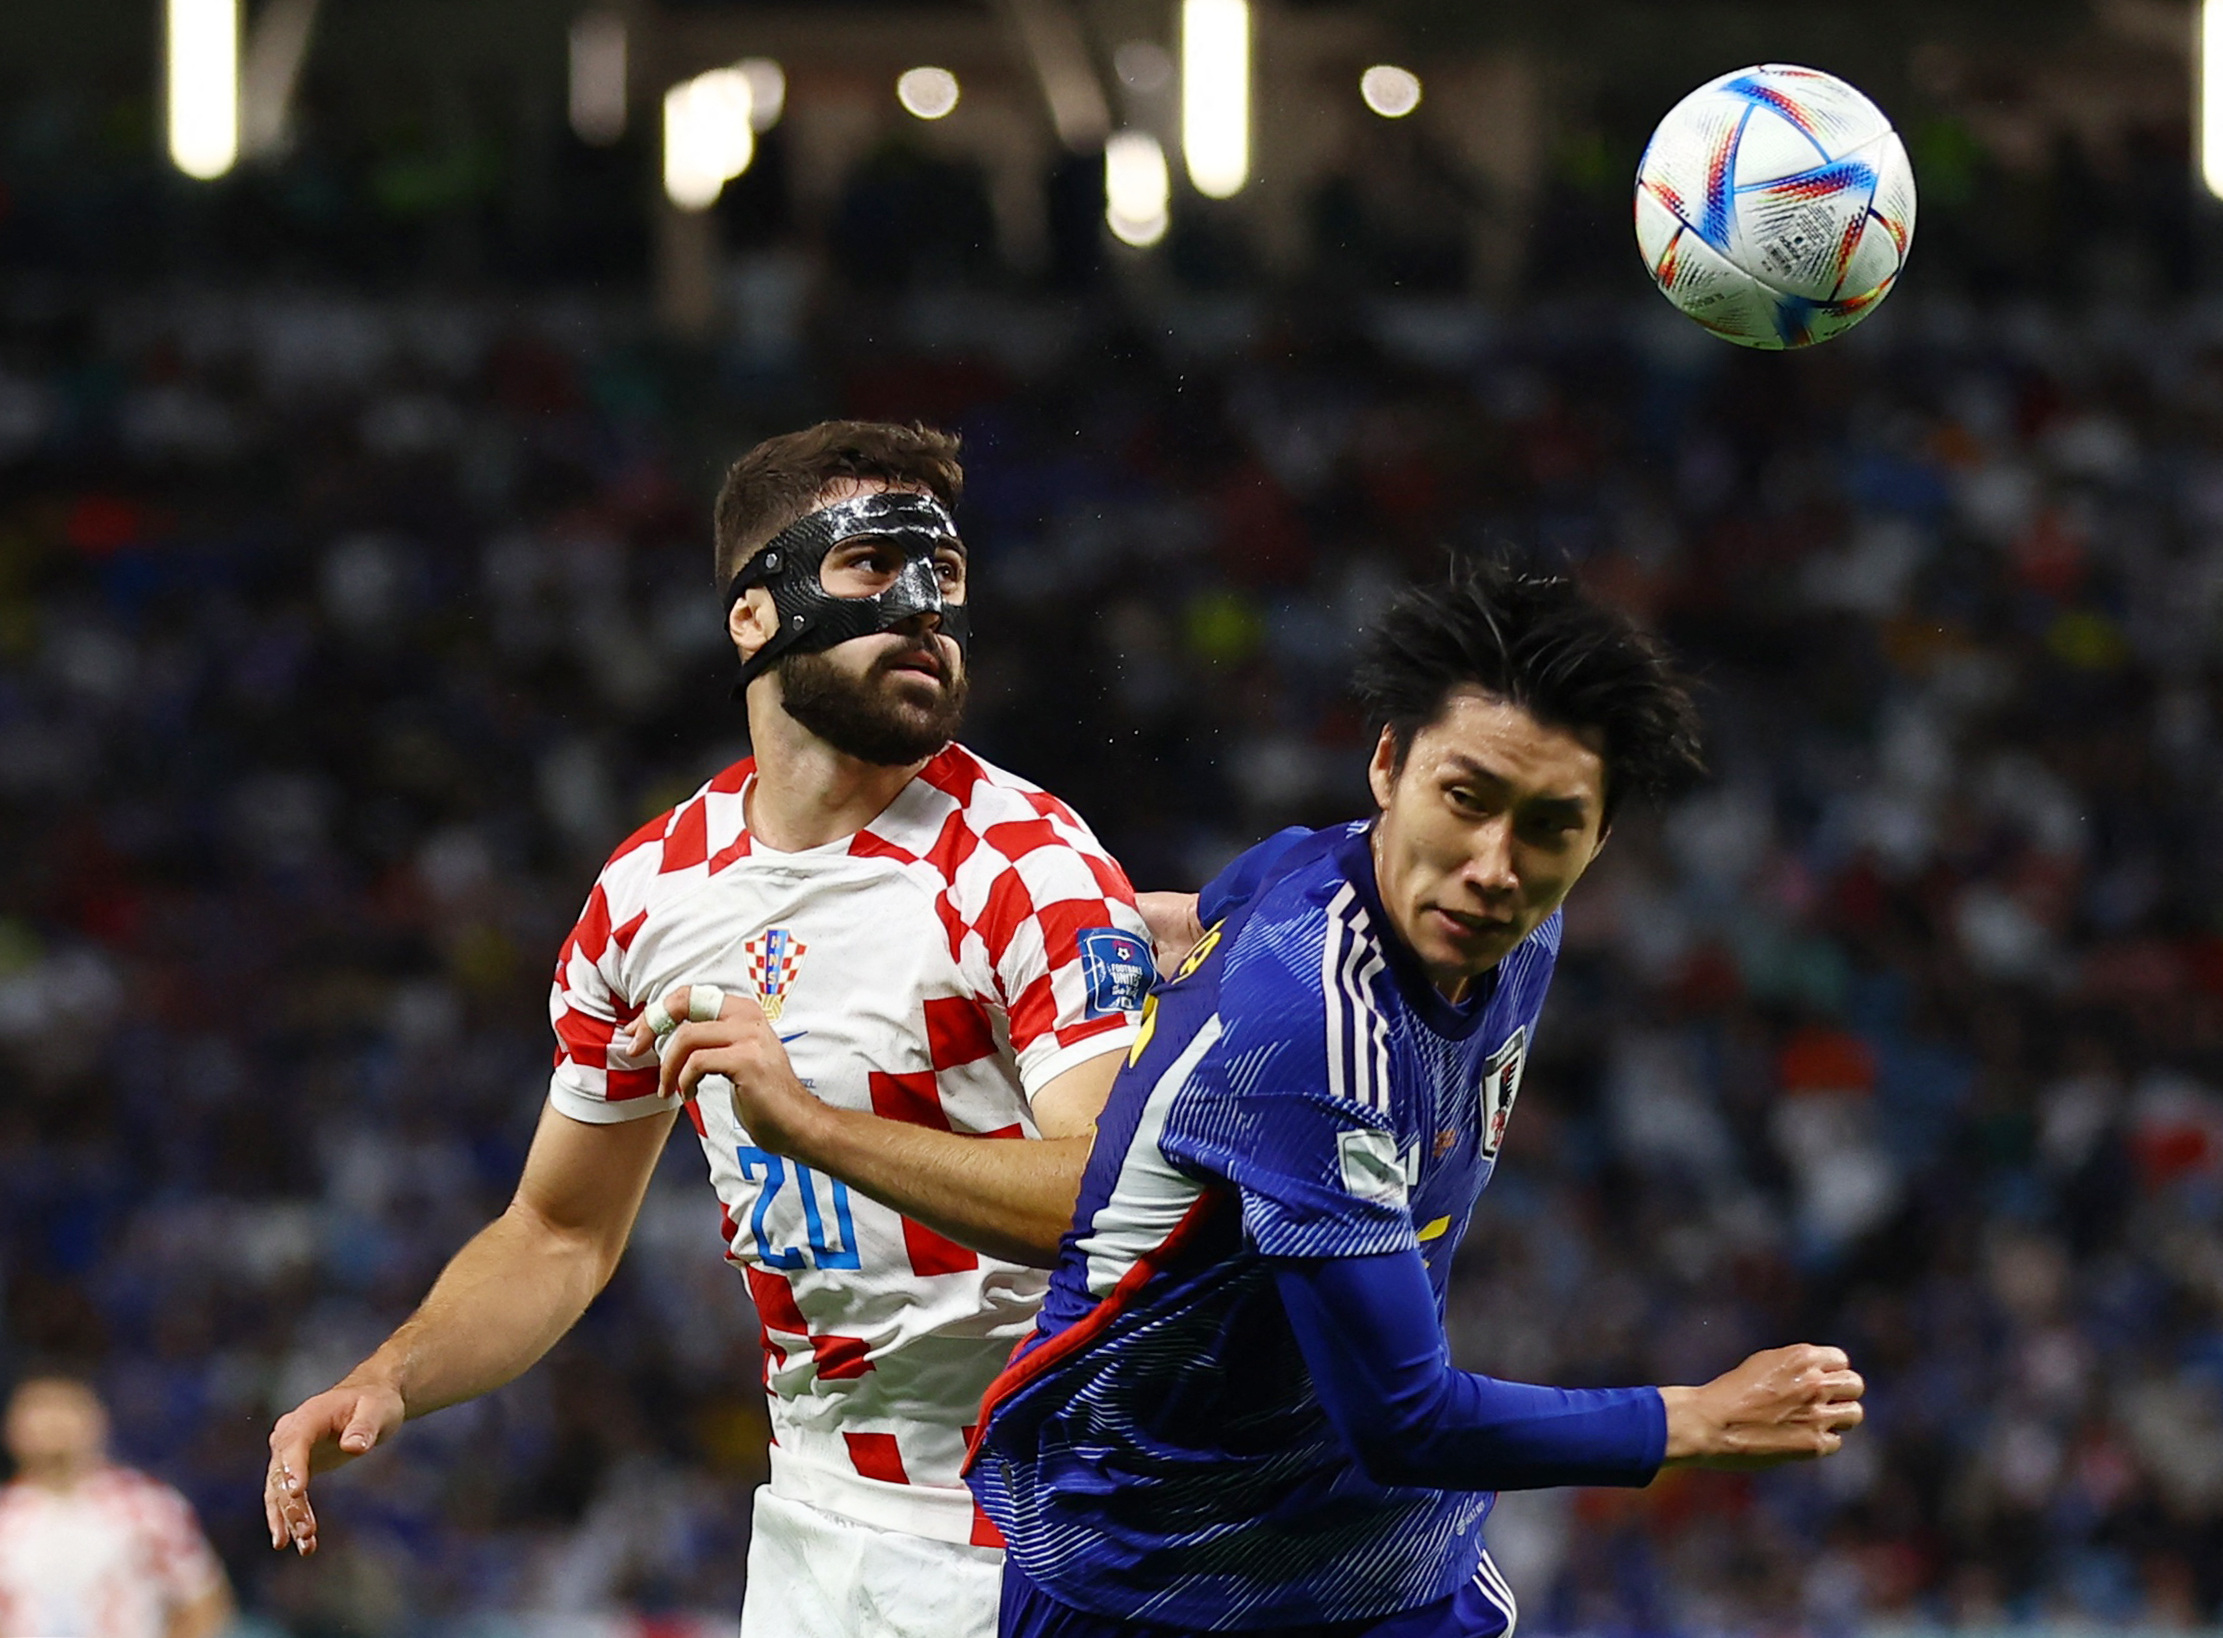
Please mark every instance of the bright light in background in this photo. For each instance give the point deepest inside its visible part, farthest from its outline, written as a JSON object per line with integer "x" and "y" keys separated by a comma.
{"x": 2211, "y": 95}
{"x": 204, "y": 86}
{"x": 598, "y": 78}
{"x": 1390, "y": 91}
{"x": 1215, "y": 94}
{"x": 927, "y": 92}
{"x": 1136, "y": 188}
{"x": 767, "y": 90}
{"x": 707, "y": 138}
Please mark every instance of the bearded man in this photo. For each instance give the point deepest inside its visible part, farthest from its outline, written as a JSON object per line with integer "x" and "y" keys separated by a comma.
{"x": 926, "y": 940}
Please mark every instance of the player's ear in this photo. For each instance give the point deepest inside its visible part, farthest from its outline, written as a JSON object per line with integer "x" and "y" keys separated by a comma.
{"x": 1605, "y": 830}
{"x": 752, "y": 620}
{"x": 1381, "y": 773}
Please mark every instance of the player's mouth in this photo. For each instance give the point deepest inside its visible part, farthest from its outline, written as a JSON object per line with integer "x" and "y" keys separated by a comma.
{"x": 919, "y": 661}
{"x": 1466, "y": 927}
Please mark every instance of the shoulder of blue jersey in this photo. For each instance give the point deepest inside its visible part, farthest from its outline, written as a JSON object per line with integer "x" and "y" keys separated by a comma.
{"x": 1299, "y": 969}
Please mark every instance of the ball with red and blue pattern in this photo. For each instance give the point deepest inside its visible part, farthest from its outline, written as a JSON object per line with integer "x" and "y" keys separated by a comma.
{"x": 1775, "y": 205}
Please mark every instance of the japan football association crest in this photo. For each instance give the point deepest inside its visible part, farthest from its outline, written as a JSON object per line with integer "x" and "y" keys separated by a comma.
{"x": 1501, "y": 1083}
{"x": 774, "y": 956}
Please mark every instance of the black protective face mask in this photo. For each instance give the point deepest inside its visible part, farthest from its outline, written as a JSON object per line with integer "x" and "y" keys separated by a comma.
{"x": 812, "y": 618}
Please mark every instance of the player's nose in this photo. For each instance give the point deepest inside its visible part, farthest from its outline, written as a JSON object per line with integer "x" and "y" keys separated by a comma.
{"x": 1489, "y": 868}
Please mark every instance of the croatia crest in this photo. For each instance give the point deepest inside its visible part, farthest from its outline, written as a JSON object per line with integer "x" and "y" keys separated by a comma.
{"x": 774, "y": 955}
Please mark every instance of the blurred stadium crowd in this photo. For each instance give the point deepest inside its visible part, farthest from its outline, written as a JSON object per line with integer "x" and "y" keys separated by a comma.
{"x": 342, "y": 637}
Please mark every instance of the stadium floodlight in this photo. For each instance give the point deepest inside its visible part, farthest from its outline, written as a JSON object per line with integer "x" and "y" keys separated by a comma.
{"x": 1215, "y": 94}
{"x": 1136, "y": 188}
{"x": 707, "y": 137}
{"x": 1390, "y": 91}
{"x": 767, "y": 91}
{"x": 2210, "y": 71}
{"x": 598, "y": 77}
{"x": 926, "y": 93}
{"x": 203, "y": 51}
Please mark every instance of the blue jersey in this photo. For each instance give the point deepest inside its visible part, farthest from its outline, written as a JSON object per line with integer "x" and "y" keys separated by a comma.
{"x": 1156, "y": 1450}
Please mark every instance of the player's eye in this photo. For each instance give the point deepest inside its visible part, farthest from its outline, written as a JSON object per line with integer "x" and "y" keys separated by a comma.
{"x": 1550, "y": 830}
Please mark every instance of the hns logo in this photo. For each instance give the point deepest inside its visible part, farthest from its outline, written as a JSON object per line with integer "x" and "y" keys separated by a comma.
{"x": 1118, "y": 969}
{"x": 774, "y": 956}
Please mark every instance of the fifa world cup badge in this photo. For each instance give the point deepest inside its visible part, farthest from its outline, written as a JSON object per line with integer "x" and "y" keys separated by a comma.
{"x": 774, "y": 957}
{"x": 1118, "y": 968}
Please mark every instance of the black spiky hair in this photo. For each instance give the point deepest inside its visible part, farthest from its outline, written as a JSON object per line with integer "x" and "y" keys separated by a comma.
{"x": 1541, "y": 642}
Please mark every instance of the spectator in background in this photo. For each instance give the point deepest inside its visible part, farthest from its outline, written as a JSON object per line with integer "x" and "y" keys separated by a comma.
{"x": 89, "y": 1549}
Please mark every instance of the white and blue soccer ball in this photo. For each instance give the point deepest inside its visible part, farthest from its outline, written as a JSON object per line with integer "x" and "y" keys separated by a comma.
{"x": 1775, "y": 206}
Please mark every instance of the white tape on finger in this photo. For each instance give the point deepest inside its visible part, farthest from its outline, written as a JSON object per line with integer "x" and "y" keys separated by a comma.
{"x": 704, "y": 1003}
{"x": 659, "y": 1020}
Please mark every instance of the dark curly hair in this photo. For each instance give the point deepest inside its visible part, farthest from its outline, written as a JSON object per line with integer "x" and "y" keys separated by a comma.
{"x": 1540, "y": 642}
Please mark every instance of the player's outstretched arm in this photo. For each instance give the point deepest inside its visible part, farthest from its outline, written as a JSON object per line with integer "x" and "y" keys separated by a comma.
{"x": 1008, "y": 1200}
{"x": 1368, "y": 1331}
{"x": 501, "y": 1302}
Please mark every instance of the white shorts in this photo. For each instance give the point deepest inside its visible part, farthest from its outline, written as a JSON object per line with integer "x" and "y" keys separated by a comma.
{"x": 815, "y": 1574}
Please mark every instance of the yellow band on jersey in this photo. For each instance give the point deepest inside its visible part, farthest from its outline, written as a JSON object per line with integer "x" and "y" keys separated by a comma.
{"x": 1147, "y": 1028}
{"x": 1196, "y": 957}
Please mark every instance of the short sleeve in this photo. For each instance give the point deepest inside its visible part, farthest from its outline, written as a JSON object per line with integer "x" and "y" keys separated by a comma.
{"x": 1070, "y": 952}
{"x": 1290, "y": 1107}
{"x": 595, "y": 1079}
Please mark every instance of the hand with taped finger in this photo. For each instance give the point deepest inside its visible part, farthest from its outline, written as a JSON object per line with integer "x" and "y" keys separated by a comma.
{"x": 321, "y": 1433}
{"x": 1782, "y": 1405}
{"x": 701, "y": 1030}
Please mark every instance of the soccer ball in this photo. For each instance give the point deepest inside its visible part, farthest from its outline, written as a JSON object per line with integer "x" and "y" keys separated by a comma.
{"x": 1775, "y": 206}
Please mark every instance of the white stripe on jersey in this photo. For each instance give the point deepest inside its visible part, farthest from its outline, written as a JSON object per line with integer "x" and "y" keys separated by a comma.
{"x": 1377, "y": 1027}
{"x": 1331, "y": 990}
{"x": 1498, "y": 1591}
{"x": 1151, "y": 1195}
{"x": 1349, "y": 964}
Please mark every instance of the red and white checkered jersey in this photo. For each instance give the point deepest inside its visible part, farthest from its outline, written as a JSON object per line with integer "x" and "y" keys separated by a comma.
{"x": 112, "y": 1557}
{"x": 940, "y": 966}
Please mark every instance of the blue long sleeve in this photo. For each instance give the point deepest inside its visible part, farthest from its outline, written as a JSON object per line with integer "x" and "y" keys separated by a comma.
{"x": 1368, "y": 1329}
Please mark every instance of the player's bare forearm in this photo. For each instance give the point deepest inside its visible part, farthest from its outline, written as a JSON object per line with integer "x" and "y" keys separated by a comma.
{"x": 1011, "y": 1199}
{"x": 502, "y": 1302}
{"x": 1007, "y": 1198}
{"x": 524, "y": 1279}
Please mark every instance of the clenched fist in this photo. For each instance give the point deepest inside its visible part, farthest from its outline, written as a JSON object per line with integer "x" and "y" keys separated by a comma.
{"x": 1784, "y": 1405}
